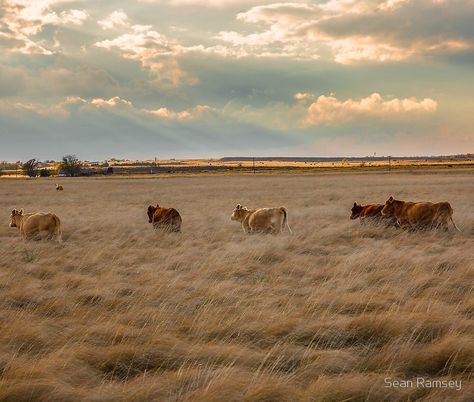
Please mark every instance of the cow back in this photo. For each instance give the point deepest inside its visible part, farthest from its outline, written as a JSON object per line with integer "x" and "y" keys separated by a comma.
{"x": 167, "y": 217}
{"x": 372, "y": 211}
{"x": 40, "y": 221}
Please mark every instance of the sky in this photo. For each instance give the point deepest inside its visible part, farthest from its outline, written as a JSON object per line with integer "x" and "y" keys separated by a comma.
{"x": 141, "y": 79}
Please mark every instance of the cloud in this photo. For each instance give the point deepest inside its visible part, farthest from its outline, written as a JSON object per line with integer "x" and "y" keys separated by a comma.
{"x": 267, "y": 66}
{"x": 75, "y": 17}
{"x": 303, "y": 96}
{"x": 116, "y": 19}
{"x": 163, "y": 113}
{"x": 310, "y": 110}
{"x": 56, "y": 77}
{"x": 198, "y": 111}
{"x": 307, "y": 110}
{"x": 399, "y": 30}
{"x": 77, "y": 104}
{"x": 116, "y": 101}
{"x": 202, "y": 3}
{"x": 281, "y": 38}
{"x": 347, "y": 31}
{"x": 328, "y": 110}
{"x": 69, "y": 76}
{"x": 356, "y": 49}
{"x": 153, "y": 51}
{"x": 357, "y": 31}
{"x": 392, "y": 4}
{"x": 22, "y": 20}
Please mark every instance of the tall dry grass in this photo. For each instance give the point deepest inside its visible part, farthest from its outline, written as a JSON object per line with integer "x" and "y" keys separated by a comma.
{"x": 122, "y": 312}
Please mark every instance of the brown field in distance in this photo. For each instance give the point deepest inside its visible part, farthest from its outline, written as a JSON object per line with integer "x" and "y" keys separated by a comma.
{"x": 264, "y": 165}
{"x": 286, "y": 165}
{"x": 121, "y": 312}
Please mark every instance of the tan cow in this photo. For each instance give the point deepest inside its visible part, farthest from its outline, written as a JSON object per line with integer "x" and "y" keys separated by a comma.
{"x": 420, "y": 215}
{"x": 32, "y": 225}
{"x": 263, "y": 220}
{"x": 59, "y": 187}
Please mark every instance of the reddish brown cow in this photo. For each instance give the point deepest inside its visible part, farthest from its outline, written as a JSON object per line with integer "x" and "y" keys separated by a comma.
{"x": 420, "y": 215}
{"x": 372, "y": 213}
{"x": 166, "y": 218}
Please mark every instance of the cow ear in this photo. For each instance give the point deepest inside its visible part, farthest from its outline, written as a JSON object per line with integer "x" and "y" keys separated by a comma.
{"x": 391, "y": 198}
{"x": 355, "y": 204}
{"x": 238, "y": 206}
{"x": 21, "y": 212}
{"x": 14, "y": 212}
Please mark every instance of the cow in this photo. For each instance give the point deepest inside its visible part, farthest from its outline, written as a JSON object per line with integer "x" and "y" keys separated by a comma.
{"x": 263, "y": 220}
{"x": 371, "y": 213}
{"x": 420, "y": 215}
{"x": 166, "y": 218}
{"x": 33, "y": 224}
{"x": 59, "y": 187}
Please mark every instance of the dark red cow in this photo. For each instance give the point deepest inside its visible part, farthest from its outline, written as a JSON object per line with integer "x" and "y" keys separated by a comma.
{"x": 371, "y": 213}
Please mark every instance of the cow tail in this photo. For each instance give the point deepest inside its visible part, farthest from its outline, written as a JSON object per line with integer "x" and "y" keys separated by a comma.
{"x": 285, "y": 220}
{"x": 454, "y": 223}
{"x": 59, "y": 231}
{"x": 452, "y": 220}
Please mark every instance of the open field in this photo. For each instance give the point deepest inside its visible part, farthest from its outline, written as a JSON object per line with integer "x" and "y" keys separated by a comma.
{"x": 121, "y": 312}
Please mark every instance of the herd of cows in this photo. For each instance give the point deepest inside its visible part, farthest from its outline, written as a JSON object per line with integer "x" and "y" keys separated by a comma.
{"x": 407, "y": 215}
{"x": 402, "y": 214}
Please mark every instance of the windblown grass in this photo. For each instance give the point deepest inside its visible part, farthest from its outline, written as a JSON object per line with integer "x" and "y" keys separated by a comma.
{"x": 122, "y": 312}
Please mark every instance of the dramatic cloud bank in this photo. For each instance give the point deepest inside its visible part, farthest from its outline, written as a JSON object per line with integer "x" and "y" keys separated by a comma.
{"x": 317, "y": 77}
{"x": 356, "y": 31}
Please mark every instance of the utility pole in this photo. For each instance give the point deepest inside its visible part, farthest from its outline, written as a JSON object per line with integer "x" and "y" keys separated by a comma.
{"x": 389, "y": 162}
{"x": 254, "y": 165}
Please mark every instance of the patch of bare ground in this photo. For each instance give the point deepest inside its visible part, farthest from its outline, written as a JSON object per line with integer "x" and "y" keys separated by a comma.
{"x": 121, "y": 312}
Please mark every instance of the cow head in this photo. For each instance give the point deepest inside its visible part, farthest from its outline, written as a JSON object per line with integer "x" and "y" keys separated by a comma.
{"x": 389, "y": 207}
{"x": 151, "y": 211}
{"x": 15, "y": 218}
{"x": 356, "y": 210}
{"x": 239, "y": 213}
